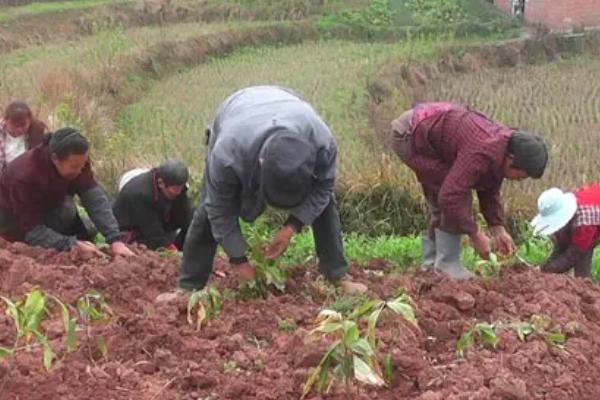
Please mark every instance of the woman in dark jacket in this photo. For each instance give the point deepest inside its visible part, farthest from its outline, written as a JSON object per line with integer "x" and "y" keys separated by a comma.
{"x": 33, "y": 190}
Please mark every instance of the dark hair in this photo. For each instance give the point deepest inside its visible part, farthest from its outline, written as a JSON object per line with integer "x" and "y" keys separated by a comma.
{"x": 530, "y": 153}
{"x": 173, "y": 172}
{"x": 17, "y": 109}
{"x": 66, "y": 142}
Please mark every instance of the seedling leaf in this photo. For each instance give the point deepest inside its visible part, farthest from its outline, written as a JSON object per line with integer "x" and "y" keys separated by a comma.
{"x": 101, "y": 344}
{"x": 363, "y": 348}
{"x": 401, "y": 306}
{"x": 48, "y": 353}
{"x": 388, "y": 368}
{"x": 487, "y": 334}
{"x": 364, "y": 373}
{"x": 5, "y": 352}
{"x": 556, "y": 338}
{"x": 465, "y": 341}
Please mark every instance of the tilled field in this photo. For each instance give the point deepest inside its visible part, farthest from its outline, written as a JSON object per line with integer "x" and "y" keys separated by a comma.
{"x": 153, "y": 353}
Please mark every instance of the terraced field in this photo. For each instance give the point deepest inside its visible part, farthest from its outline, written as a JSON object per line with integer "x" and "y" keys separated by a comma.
{"x": 26, "y": 72}
{"x": 332, "y": 75}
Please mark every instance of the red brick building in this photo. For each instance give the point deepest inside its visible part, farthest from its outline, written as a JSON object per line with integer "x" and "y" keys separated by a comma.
{"x": 556, "y": 14}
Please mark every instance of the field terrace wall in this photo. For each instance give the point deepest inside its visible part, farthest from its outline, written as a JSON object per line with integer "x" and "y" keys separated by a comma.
{"x": 557, "y": 14}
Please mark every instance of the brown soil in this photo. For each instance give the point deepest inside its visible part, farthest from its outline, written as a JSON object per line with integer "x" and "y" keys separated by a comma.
{"x": 154, "y": 353}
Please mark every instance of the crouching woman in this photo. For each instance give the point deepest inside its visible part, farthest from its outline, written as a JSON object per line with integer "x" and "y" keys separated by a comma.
{"x": 33, "y": 193}
{"x": 573, "y": 221}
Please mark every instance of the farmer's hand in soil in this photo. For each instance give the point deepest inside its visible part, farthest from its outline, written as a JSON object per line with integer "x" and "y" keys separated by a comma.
{"x": 505, "y": 244}
{"x": 88, "y": 248}
{"x": 246, "y": 272}
{"x": 280, "y": 242}
{"x": 119, "y": 249}
{"x": 481, "y": 244}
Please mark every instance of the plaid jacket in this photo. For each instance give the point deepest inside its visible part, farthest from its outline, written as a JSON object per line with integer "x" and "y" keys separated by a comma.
{"x": 574, "y": 242}
{"x": 586, "y": 222}
{"x": 456, "y": 150}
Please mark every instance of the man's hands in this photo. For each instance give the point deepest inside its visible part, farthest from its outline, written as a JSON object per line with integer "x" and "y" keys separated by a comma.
{"x": 280, "y": 242}
{"x": 119, "y": 249}
{"x": 481, "y": 244}
{"x": 88, "y": 248}
{"x": 505, "y": 244}
{"x": 246, "y": 272}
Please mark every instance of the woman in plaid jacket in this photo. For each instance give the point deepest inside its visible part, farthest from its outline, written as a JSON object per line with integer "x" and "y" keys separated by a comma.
{"x": 573, "y": 220}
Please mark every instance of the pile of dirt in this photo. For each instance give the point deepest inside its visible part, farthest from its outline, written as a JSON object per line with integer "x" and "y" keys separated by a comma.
{"x": 154, "y": 354}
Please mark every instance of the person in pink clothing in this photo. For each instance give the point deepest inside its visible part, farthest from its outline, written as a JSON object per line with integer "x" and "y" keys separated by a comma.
{"x": 455, "y": 151}
{"x": 573, "y": 221}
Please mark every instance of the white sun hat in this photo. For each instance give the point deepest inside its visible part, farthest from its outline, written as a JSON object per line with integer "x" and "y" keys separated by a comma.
{"x": 556, "y": 208}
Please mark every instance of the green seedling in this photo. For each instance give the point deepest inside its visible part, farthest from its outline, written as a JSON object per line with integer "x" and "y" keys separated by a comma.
{"x": 164, "y": 253}
{"x": 388, "y": 368}
{"x": 346, "y": 304}
{"x": 269, "y": 273}
{"x": 206, "y": 304}
{"x": 286, "y": 325}
{"x": 372, "y": 310}
{"x": 488, "y": 268}
{"x": 28, "y": 315}
{"x": 540, "y": 322}
{"x": 92, "y": 308}
{"x": 229, "y": 366}
{"x": 556, "y": 338}
{"x": 532, "y": 247}
{"x": 484, "y": 331}
{"x": 353, "y": 356}
{"x": 350, "y": 357}
{"x": 522, "y": 329}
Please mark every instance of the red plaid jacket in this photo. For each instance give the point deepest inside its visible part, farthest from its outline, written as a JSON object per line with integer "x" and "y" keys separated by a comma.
{"x": 584, "y": 230}
{"x": 456, "y": 150}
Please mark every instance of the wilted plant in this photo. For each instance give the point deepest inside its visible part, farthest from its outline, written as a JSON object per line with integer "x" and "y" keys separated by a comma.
{"x": 207, "y": 303}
